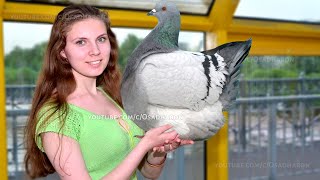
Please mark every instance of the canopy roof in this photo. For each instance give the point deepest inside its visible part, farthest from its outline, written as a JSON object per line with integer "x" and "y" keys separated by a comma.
{"x": 284, "y": 10}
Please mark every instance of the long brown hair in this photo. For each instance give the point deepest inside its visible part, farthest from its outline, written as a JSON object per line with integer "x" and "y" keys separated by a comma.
{"x": 56, "y": 81}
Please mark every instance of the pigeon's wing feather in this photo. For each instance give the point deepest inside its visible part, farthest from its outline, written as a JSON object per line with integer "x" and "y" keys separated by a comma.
{"x": 146, "y": 48}
{"x": 179, "y": 80}
{"x": 233, "y": 54}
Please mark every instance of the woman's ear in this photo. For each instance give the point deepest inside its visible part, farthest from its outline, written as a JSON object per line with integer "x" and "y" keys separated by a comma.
{"x": 63, "y": 54}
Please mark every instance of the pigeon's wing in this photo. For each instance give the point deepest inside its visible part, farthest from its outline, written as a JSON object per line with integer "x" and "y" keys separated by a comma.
{"x": 146, "y": 48}
{"x": 181, "y": 79}
{"x": 233, "y": 55}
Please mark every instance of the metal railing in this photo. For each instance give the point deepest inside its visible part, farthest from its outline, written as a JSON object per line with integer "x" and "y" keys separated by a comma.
{"x": 271, "y": 114}
{"x": 275, "y": 117}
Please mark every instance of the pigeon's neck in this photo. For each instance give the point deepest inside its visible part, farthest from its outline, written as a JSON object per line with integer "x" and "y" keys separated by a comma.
{"x": 169, "y": 32}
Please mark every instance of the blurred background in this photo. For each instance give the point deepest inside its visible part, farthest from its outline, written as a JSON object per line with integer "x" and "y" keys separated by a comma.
{"x": 273, "y": 132}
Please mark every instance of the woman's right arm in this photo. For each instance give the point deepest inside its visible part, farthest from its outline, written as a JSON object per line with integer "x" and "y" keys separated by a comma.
{"x": 67, "y": 158}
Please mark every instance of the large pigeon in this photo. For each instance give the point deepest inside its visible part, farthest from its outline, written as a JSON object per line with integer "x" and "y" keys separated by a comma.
{"x": 189, "y": 90}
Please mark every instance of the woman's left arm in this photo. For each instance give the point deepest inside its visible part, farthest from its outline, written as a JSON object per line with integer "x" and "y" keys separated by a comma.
{"x": 151, "y": 166}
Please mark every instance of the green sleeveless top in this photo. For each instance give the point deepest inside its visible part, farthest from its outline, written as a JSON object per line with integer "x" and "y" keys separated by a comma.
{"x": 104, "y": 143}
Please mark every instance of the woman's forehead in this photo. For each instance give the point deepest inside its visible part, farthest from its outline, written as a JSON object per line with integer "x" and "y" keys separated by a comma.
{"x": 87, "y": 27}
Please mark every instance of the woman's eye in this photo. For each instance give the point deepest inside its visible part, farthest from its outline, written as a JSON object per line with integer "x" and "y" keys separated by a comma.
{"x": 102, "y": 39}
{"x": 80, "y": 42}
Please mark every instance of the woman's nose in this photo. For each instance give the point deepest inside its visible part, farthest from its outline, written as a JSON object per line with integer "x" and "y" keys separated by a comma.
{"x": 95, "y": 50}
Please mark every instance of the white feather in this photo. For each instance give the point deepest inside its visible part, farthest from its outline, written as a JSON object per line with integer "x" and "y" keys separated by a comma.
{"x": 209, "y": 119}
{"x": 177, "y": 80}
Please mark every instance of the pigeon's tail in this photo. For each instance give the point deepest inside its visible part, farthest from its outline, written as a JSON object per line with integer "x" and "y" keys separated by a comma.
{"x": 233, "y": 54}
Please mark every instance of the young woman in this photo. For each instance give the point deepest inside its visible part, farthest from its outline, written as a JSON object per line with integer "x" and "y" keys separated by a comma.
{"x": 77, "y": 126}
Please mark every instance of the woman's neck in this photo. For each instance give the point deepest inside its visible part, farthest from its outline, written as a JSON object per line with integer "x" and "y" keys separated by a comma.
{"x": 85, "y": 85}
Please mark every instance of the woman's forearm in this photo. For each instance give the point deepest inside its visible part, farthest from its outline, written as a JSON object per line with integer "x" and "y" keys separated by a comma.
{"x": 129, "y": 165}
{"x": 153, "y": 138}
{"x": 153, "y": 165}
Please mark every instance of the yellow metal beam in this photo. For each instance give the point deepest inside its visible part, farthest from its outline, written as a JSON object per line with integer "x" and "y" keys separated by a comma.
{"x": 217, "y": 146}
{"x": 277, "y": 38}
{"x": 123, "y": 18}
{"x": 222, "y": 13}
{"x": 120, "y": 18}
{"x": 3, "y": 137}
{"x": 30, "y": 12}
{"x": 274, "y": 28}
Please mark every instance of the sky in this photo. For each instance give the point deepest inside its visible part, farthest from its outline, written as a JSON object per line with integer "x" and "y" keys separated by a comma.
{"x": 26, "y": 35}
{"x": 301, "y": 10}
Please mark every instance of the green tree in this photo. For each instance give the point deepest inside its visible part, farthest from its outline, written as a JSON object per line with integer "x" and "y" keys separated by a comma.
{"x": 126, "y": 48}
{"x": 23, "y": 65}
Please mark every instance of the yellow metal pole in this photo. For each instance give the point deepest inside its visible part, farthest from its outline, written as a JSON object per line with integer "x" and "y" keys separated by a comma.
{"x": 220, "y": 17}
{"x": 222, "y": 12}
{"x": 3, "y": 138}
{"x": 217, "y": 146}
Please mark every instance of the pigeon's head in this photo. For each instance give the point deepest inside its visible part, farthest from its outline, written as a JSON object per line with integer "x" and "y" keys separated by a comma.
{"x": 165, "y": 10}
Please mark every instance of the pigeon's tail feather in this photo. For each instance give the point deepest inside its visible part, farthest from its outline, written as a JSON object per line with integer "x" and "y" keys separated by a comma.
{"x": 230, "y": 91}
{"x": 233, "y": 54}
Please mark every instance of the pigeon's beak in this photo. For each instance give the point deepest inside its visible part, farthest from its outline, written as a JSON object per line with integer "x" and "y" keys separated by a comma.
{"x": 152, "y": 12}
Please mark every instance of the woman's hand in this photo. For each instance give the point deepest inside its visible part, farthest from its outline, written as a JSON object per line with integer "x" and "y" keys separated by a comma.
{"x": 160, "y": 140}
{"x": 157, "y": 137}
{"x": 172, "y": 145}
{"x": 157, "y": 156}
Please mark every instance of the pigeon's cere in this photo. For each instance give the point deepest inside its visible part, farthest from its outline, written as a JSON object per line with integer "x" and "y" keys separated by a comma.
{"x": 189, "y": 90}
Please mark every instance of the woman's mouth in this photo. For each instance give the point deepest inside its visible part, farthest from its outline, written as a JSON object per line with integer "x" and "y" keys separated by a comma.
{"x": 94, "y": 62}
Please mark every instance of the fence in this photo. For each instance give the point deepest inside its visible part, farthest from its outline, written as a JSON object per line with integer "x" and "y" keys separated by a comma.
{"x": 275, "y": 122}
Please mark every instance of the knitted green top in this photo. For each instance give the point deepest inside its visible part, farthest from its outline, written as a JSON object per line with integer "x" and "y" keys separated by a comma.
{"x": 104, "y": 143}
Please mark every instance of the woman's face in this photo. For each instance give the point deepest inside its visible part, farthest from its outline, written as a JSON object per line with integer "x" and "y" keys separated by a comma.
{"x": 87, "y": 48}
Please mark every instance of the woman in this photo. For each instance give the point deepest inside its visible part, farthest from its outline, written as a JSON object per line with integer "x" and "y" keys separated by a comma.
{"x": 77, "y": 127}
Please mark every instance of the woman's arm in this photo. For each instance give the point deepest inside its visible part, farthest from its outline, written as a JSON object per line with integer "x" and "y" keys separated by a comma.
{"x": 151, "y": 167}
{"x": 66, "y": 157}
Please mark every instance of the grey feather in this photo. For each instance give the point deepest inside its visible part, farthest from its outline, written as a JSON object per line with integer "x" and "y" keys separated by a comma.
{"x": 162, "y": 39}
{"x": 159, "y": 40}
{"x": 234, "y": 54}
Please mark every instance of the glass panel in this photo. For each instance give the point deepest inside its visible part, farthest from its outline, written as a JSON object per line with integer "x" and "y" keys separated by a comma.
{"x": 200, "y": 7}
{"x": 274, "y": 129}
{"x": 23, "y": 59}
{"x": 289, "y": 10}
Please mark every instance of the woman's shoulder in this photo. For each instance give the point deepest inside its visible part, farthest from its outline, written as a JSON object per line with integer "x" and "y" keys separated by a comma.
{"x": 63, "y": 121}
{"x": 51, "y": 113}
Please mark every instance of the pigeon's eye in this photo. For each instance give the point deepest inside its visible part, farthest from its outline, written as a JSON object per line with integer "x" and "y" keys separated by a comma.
{"x": 164, "y": 8}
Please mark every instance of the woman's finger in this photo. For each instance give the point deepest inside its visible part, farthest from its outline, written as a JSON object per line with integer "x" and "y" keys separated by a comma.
{"x": 170, "y": 135}
{"x": 162, "y": 129}
{"x": 155, "y": 149}
{"x": 186, "y": 142}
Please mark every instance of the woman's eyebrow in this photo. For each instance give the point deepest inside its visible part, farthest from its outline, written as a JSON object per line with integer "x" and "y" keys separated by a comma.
{"x": 79, "y": 38}
{"x": 103, "y": 34}
{"x": 83, "y": 38}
